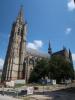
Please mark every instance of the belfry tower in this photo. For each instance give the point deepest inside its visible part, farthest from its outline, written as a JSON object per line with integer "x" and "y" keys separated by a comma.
{"x": 13, "y": 67}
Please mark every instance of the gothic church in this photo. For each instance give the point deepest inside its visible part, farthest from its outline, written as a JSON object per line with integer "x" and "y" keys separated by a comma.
{"x": 19, "y": 62}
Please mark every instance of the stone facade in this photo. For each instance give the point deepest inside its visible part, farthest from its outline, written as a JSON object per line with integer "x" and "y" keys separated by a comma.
{"x": 13, "y": 66}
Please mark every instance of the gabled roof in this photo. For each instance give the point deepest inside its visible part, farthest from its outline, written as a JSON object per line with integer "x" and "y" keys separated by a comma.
{"x": 59, "y": 52}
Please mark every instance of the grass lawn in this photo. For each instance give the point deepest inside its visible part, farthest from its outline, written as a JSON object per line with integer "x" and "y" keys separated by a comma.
{"x": 19, "y": 85}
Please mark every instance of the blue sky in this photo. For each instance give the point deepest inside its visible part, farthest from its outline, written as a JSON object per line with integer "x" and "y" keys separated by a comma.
{"x": 52, "y": 20}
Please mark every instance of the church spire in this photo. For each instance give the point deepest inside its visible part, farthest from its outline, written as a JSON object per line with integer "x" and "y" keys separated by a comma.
{"x": 20, "y": 16}
{"x": 49, "y": 49}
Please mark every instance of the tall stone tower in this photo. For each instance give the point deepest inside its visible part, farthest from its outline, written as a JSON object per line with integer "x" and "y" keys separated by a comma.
{"x": 14, "y": 61}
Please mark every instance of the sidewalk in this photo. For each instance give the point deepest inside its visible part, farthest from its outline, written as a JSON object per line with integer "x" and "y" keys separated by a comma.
{"x": 7, "y": 98}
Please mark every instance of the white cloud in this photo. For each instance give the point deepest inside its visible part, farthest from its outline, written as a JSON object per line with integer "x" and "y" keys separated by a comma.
{"x": 71, "y": 5}
{"x": 68, "y": 30}
{"x": 73, "y": 57}
{"x": 36, "y": 44}
{"x": 1, "y": 63}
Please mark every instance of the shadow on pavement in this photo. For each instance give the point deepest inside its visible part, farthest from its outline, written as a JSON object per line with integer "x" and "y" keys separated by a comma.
{"x": 63, "y": 94}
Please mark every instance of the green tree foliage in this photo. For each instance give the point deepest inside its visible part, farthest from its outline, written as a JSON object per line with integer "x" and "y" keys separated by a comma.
{"x": 60, "y": 68}
{"x": 39, "y": 71}
{"x": 56, "y": 67}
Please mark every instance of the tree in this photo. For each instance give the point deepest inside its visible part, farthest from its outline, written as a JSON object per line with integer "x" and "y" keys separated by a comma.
{"x": 57, "y": 67}
{"x": 39, "y": 71}
{"x": 60, "y": 68}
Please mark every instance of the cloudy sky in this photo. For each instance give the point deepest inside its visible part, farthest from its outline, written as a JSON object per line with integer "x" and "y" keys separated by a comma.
{"x": 52, "y": 20}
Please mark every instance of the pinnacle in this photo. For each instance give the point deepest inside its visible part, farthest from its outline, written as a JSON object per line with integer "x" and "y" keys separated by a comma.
{"x": 21, "y": 14}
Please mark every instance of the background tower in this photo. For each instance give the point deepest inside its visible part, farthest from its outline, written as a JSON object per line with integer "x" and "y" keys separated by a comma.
{"x": 49, "y": 49}
{"x": 70, "y": 57}
{"x": 14, "y": 60}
